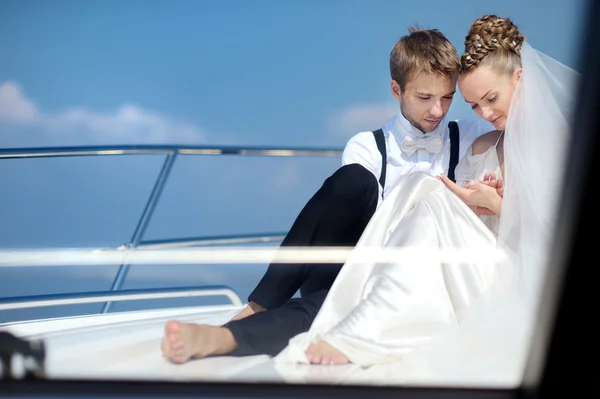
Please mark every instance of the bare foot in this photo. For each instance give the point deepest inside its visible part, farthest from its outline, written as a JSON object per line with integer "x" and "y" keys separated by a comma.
{"x": 249, "y": 310}
{"x": 182, "y": 341}
{"x": 323, "y": 353}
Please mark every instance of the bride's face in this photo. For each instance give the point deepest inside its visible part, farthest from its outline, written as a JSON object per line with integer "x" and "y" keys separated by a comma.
{"x": 489, "y": 93}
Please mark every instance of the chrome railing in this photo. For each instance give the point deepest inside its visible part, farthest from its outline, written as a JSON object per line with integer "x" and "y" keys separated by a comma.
{"x": 236, "y": 239}
{"x": 133, "y": 149}
{"x": 36, "y": 301}
{"x": 171, "y": 153}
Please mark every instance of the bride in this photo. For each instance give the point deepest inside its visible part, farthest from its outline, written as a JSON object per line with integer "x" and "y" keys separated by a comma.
{"x": 378, "y": 313}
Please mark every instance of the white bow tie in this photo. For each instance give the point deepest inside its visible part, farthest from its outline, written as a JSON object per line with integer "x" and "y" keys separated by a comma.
{"x": 433, "y": 144}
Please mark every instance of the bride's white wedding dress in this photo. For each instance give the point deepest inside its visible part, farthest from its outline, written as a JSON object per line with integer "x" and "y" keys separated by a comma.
{"x": 377, "y": 313}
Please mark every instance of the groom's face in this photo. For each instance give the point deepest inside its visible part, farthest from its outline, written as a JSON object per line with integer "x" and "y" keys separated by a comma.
{"x": 425, "y": 100}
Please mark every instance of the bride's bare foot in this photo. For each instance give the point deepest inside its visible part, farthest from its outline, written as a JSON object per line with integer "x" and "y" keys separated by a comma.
{"x": 249, "y": 310}
{"x": 182, "y": 341}
{"x": 323, "y": 353}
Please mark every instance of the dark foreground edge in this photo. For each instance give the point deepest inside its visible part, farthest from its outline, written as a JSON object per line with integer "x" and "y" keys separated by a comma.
{"x": 563, "y": 343}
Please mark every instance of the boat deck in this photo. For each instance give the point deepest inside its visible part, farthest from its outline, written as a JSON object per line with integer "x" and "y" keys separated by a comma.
{"x": 126, "y": 346}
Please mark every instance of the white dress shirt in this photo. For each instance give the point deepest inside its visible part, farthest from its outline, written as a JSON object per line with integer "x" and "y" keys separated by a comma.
{"x": 362, "y": 149}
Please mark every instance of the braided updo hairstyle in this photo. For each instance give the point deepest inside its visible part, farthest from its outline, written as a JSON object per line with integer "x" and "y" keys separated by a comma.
{"x": 492, "y": 41}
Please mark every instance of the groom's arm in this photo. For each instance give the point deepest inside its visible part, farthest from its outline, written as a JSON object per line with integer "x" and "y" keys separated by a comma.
{"x": 362, "y": 149}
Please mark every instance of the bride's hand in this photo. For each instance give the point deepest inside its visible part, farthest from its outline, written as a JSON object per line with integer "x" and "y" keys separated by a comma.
{"x": 489, "y": 179}
{"x": 476, "y": 195}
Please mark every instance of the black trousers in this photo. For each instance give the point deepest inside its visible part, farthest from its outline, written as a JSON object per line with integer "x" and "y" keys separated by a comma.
{"x": 335, "y": 216}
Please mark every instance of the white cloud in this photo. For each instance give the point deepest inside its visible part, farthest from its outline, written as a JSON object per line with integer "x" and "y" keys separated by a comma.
{"x": 14, "y": 106}
{"x": 128, "y": 123}
{"x": 360, "y": 117}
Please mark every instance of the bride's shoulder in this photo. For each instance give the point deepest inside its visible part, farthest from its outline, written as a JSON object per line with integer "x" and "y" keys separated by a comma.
{"x": 485, "y": 141}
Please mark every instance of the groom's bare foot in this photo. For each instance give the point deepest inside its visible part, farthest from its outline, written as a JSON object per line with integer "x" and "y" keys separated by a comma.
{"x": 183, "y": 341}
{"x": 323, "y": 353}
{"x": 249, "y": 310}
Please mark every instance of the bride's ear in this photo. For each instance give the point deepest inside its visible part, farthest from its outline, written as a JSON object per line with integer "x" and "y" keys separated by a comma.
{"x": 518, "y": 73}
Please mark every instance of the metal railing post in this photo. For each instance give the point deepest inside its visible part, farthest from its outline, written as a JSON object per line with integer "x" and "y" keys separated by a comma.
{"x": 140, "y": 229}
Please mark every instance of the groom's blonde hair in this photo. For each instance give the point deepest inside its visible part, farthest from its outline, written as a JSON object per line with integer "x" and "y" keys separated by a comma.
{"x": 423, "y": 51}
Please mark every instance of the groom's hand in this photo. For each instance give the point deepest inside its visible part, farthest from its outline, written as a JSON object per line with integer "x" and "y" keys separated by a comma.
{"x": 462, "y": 192}
{"x": 476, "y": 195}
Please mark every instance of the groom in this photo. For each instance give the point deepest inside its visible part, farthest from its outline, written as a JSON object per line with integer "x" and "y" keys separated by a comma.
{"x": 424, "y": 67}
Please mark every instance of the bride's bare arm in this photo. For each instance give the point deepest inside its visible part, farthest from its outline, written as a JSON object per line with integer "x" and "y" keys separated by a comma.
{"x": 480, "y": 199}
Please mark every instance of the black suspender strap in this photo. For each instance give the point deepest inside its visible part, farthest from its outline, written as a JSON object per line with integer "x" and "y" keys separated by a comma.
{"x": 454, "y": 147}
{"x": 380, "y": 140}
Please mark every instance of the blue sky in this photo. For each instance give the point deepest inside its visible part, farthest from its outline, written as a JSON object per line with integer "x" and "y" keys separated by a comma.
{"x": 266, "y": 72}
{"x": 229, "y": 72}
